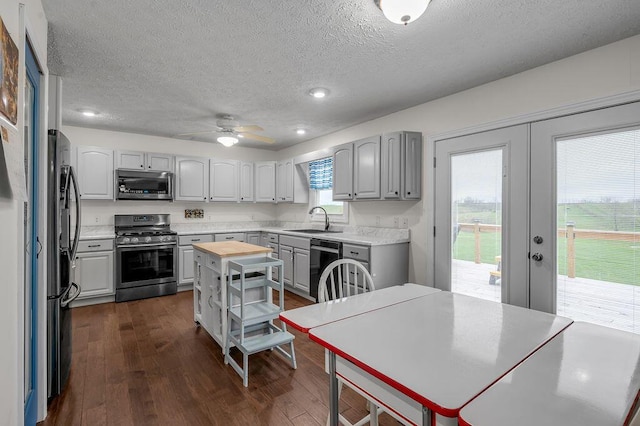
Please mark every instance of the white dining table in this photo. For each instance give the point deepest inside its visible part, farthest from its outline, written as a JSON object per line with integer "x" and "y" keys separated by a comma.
{"x": 308, "y": 317}
{"x": 587, "y": 375}
{"x": 425, "y": 358}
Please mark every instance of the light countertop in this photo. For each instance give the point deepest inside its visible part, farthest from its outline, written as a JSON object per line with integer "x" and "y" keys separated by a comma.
{"x": 368, "y": 236}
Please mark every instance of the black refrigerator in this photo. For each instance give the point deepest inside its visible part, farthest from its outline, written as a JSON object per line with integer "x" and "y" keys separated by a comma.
{"x": 63, "y": 230}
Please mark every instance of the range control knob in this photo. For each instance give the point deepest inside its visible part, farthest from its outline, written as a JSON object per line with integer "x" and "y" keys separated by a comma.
{"x": 134, "y": 240}
{"x": 126, "y": 240}
{"x": 147, "y": 239}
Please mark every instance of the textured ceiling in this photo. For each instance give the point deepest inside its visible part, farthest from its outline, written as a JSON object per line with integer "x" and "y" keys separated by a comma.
{"x": 165, "y": 67}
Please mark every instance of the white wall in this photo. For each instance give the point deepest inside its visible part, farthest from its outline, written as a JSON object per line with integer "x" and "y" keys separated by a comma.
{"x": 602, "y": 72}
{"x": 11, "y": 217}
{"x": 100, "y": 212}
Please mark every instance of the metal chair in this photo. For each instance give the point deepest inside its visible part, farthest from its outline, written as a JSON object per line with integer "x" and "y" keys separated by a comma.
{"x": 344, "y": 278}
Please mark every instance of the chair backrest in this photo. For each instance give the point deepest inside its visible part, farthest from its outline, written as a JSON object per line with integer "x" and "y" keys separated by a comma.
{"x": 343, "y": 278}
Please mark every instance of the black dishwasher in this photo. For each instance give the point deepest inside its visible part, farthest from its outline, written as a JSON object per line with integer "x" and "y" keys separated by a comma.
{"x": 322, "y": 253}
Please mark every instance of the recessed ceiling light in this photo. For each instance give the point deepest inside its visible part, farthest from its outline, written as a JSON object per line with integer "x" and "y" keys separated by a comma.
{"x": 301, "y": 131}
{"x": 319, "y": 92}
{"x": 89, "y": 113}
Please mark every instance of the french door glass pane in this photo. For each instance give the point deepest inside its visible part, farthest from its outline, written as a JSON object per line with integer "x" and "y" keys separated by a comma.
{"x": 476, "y": 237}
{"x": 598, "y": 225}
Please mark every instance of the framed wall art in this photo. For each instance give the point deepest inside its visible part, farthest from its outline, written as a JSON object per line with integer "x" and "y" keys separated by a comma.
{"x": 8, "y": 75}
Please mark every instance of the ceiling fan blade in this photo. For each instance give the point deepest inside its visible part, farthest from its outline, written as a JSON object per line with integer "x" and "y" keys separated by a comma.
{"x": 258, "y": 138}
{"x": 249, "y": 128}
{"x": 197, "y": 133}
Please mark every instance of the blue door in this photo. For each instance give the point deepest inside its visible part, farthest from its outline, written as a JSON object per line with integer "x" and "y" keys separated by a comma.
{"x": 32, "y": 243}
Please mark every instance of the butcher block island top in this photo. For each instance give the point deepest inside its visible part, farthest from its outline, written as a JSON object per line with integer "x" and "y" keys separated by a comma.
{"x": 231, "y": 248}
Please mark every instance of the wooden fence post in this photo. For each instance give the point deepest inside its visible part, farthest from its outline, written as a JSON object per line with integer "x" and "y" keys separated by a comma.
{"x": 571, "y": 249}
{"x": 476, "y": 233}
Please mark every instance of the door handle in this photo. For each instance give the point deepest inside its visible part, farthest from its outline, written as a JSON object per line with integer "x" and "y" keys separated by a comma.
{"x": 537, "y": 257}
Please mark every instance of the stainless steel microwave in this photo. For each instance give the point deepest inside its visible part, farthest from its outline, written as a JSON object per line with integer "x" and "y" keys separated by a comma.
{"x": 143, "y": 185}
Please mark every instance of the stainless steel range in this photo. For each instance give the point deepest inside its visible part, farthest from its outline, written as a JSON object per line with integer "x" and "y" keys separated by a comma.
{"x": 146, "y": 256}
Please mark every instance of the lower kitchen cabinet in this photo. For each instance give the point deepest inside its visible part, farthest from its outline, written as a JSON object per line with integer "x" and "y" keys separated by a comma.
{"x": 294, "y": 253}
{"x": 388, "y": 264}
{"x": 94, "y": 271}
{"x": 185, "y": 256}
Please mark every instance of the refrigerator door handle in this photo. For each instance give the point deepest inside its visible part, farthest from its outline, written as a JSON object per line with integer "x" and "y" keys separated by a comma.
{"x": 76, "y": 239}
{"x": 64, "y": 302}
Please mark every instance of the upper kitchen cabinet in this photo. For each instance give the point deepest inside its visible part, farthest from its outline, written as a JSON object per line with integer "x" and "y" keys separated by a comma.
{"x": 95, "y": 172}
{"x": 343, "y": 172}
{"x": 224, "y": 176}
{"x": 356, "y": 170}
{"x": 246, "y": 182}
{"x": 265, "y": 181}
{"x": 291, "y": 183}
{"x": 401, "y": 170}
{"x": 192, "y": 179}
{"x": 366, "y": 168}
{"x": 144, "y": 161}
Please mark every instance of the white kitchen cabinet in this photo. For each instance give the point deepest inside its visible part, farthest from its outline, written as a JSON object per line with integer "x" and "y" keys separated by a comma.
{"x": 343, "y": 172}
{"x": 301, "y": 265}
{"x": 401, "y": 165}
{"x": 292, "y": 185}
{"x": 412, "y": 165}
{"x": 253, "y": 238}
{"x": 388, "y": 264}
{"x": 224, "y": 182}
{"x": 144, "y": 161}
{"x": 94, "y": 268}
{"x": 185, "y": 256}
{"x": 294, "y": 253}
{"x": 366, "y": 168}
{"x": 246, "y": 182}
{"x": 192, "y": 179}
{"x": 95, "y": 172}
{"x": 265, "y": 181}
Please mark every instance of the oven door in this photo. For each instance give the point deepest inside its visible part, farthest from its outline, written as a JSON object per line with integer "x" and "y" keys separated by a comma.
{"x": 146, "y": 264}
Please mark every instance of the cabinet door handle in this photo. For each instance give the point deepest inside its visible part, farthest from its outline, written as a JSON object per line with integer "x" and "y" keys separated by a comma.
{"x": 142, "y": 166}
{"x": 396, "y": 192}
{"x": 409, "y": 193}
{"x": 94, "y": 245}
{"x": 228, "y": 238}
{"x": 209, "y": 301}
{"x": 195, "y": 239}
{"x": 149, "y": 166}
{"x": 355, "y": 252}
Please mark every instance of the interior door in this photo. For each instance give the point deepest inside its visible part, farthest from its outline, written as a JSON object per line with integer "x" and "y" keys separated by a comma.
{"x": 481, "y": 215}
{"x": 585, "y": 216}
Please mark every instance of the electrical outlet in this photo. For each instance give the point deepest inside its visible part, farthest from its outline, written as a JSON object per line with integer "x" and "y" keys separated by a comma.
{"x": 396, "y": 222}
{"x": 97, "y": 219}
{"x": 377, "y": 220}
{"x": 405, "y": 222}
{"x": 253, "y": 217}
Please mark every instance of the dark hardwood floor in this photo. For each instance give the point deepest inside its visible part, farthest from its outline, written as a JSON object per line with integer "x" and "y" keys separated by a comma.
{"x": 146, "y": 363}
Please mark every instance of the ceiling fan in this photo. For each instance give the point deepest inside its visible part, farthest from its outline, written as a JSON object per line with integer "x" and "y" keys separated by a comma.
{"x": 229, "y": 130}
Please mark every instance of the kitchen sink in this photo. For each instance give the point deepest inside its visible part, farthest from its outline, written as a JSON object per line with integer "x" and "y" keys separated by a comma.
{"x": 313, "y": 231}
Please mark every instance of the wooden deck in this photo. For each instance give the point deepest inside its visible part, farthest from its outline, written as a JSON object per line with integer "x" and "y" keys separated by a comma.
{"x": 599, "y": 302}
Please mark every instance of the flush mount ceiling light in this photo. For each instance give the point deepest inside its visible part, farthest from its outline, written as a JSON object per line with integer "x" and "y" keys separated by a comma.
{"x": 227, "y": 140}
{"x": 89, "y": 113}
{"x": 301, "y": 131}
{"x": 402, "y": 11}
{"x": 319, "y": 92}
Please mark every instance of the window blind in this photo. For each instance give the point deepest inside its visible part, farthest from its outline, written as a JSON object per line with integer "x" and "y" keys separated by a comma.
{"x": 321, "y": 174}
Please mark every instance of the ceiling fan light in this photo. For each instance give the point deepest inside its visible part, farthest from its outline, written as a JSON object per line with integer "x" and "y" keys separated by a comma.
{"x": 402, "y": 11}
{"x": 319, "y": 92}
{"x": 227, "y": 140}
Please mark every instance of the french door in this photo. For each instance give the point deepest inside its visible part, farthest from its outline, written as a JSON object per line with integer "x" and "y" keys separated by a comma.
{"x": 585, "y": 214}
{"x": 481, "y": 214}
{"x": 559, "y": 229}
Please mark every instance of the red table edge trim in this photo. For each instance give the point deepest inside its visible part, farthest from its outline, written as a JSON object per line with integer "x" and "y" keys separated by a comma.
{"x": 447, "y": 412}
{"x": 293, "y": 324}
{"x": 632, "y": 411}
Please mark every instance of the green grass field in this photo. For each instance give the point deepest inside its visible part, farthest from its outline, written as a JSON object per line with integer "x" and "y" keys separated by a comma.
{"x": 613, "y": 261}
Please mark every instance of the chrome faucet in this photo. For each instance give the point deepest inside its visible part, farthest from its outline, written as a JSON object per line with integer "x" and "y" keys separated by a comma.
{"x": 326, "y": 216}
